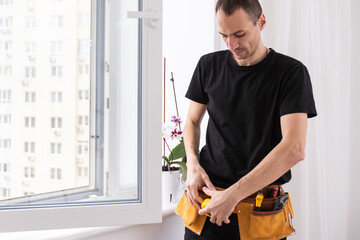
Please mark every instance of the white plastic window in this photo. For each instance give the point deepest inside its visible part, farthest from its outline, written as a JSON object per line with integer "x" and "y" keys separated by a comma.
{"x": 117, "y": 155}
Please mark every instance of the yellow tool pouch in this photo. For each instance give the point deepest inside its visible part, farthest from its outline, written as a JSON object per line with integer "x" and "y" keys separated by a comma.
{"x": 265, "y": 224}
{"x": 191, "y": 218}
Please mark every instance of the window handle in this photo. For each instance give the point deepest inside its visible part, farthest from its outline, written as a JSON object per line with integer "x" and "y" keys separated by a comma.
{"x": 153, "y": 15}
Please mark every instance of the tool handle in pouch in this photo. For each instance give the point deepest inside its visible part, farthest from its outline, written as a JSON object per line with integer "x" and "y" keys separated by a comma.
{"x": 259, "y": 198}
{"x": 204, "y": 204}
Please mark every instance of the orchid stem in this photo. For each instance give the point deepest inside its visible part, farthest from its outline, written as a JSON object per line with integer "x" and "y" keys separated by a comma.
{"x": 177, "y": 110}
{"x": 172, "y": 156}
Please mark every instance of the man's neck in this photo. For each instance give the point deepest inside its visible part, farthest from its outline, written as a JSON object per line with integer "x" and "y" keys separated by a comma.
{"x": 256, "y": 57}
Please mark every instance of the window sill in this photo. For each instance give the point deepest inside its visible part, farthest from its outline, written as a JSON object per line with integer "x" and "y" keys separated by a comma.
{"x": 76, "y": 233}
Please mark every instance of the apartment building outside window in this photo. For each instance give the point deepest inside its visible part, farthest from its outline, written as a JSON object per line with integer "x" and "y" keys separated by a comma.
{"x": 30, "y": 72}
{"x": 4, "y": 167}
{"x": 8, "y": 22}
{"x": 30, "y": 97}
{"x": 4, "y": 192}
{"x": 56, "y": 71}
{"x": 5, "y": 2}
{"x": 30, "y": 48}
{"x": 56, "y": 122}
{"x": 83, "y": 171}
{"x": 84, "y": 19}
{"x": 83, "y": 120}
{"x": 83, "y": 148}
{"x": 30, "y": 23}
{"x": 30, "y": 3}
{"x": 5, "y": 143}
{"x": 5, "y": 119}
{"x": 29, "y": 147}
{"x": 5, "y": 96}
{"x": 56, "y": 47}
{"x": 83, "y": 94}
{"x": 57, "y": 21}
{"x": 55, "y": 148}
{"x": 56, "y": 97}
{"x": 29, "y": 122}
{"x": 55, "y": 173}
{"x": 84, "y": 46}
{"x": 84, "y": 69}
{"x": 29, "y": 172}
{"x": 8, "y": 47}
{"x": 7, "y": 70}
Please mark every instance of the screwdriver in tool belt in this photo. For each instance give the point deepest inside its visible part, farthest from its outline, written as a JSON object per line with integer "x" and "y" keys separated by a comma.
{"x": 259, "y": 198}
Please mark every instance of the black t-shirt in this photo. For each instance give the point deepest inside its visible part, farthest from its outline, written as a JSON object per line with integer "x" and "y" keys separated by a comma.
{"x": 245, "y": 104}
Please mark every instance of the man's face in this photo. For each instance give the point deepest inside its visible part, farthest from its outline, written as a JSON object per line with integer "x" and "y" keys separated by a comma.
{"x": 239, "y": 33}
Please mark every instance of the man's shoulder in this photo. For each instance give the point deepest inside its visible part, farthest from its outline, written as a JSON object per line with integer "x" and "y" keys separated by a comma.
{"x": 214, "y": 56}
{"x": 287, "y": 62}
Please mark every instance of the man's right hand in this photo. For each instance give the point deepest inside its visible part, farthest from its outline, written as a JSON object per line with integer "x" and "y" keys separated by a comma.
{"x": 196, "y": 180}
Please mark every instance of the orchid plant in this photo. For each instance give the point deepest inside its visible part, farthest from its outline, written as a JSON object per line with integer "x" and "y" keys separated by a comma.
{"x": 173, "y": 132}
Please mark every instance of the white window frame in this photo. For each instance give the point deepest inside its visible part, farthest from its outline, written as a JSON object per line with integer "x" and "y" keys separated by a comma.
{"x": 149, "y": 208}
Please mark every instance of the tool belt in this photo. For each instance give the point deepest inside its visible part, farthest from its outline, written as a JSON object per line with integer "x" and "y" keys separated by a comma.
{"x": 265, "y": 224}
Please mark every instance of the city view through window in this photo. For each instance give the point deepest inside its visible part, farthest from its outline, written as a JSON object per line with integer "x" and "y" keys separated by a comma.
{"x": 44, "y": 96}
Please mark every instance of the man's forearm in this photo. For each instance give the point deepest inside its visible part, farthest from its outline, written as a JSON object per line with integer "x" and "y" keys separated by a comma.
{"x": 282, "y": 158}
{"x": 191, "y": 142}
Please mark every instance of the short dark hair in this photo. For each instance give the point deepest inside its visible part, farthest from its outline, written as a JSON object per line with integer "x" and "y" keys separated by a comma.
{"x": 251, "y": 7}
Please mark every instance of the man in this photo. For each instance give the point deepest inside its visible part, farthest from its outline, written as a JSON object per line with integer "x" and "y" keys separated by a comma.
{"x": 258, "y": 103}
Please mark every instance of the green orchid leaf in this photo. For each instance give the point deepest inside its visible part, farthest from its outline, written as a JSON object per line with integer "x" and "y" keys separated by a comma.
{"x": 177, "y": 152}
{"x": 183, "y": 167}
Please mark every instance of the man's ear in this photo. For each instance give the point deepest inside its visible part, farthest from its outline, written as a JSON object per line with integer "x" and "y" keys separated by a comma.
{"x": 262, "y": 21}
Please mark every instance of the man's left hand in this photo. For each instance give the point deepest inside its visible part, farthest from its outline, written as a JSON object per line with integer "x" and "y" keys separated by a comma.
{"x": 221, "y": 205}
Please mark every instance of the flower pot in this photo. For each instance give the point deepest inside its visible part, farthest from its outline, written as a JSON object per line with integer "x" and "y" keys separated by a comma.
{"x": 172, "y": 186}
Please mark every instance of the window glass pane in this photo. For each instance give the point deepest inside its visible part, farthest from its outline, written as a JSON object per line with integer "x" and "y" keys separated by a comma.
{"x": 42, "y": 152}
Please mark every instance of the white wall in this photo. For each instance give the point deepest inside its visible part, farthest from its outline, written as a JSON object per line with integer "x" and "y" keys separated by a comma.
{"x": 188, "y": 33}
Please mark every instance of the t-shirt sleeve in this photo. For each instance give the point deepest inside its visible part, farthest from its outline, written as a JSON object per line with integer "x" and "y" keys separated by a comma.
{"x": 196, "y": 90}
{"x": 297, "y": 95}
